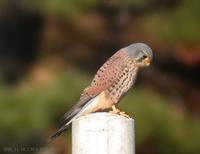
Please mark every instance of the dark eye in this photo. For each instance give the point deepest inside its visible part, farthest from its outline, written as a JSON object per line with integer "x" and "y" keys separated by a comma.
{"x": 141, "y": 56}
{"x": 144, "y": 57}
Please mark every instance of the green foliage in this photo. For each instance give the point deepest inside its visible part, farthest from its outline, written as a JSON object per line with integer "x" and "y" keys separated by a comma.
{"x": 33, "y": 109}
{"x": 179, "y": 25}
{"x": 69, "y": 8}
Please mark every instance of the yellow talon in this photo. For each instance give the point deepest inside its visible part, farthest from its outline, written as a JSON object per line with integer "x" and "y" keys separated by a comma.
{"x": 124, "y": 114}
{"x": 117, "y": 111}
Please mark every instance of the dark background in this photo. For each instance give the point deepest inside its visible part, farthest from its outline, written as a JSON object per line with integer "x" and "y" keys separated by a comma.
{"x": 50, "y": 50}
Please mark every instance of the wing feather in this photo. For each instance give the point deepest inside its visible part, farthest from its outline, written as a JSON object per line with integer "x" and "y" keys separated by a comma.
{"x": 106, "y": 75}
{"x": 74, "y": 110}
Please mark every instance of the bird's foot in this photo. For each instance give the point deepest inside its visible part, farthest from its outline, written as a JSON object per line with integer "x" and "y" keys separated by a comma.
{"x": 114, "y": 110}
{"x": 124, "y": 114}
{"x": 117, "y": 111}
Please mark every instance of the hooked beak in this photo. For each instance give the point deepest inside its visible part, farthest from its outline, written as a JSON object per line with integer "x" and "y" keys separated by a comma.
{"x": 147, "y": 61}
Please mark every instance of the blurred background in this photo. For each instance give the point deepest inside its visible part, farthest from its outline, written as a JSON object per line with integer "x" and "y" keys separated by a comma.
{"x": 50, "y": 50}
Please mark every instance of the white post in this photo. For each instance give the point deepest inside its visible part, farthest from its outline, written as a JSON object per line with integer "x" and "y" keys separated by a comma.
{"x": 103, "y": 133}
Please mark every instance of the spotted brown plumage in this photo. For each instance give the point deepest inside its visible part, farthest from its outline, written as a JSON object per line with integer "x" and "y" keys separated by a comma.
{"x": 111, "y": 82}
{"x": 106, "y": 76}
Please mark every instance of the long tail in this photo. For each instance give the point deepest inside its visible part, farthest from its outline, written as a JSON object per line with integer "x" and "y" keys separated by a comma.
{"x": 65, "y": 126}
{"x": 59, "y": 132}
{"x": 78, "y": 110}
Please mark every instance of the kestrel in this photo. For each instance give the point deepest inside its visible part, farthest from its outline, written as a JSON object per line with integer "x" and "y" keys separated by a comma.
{"x": 111, "y": 82}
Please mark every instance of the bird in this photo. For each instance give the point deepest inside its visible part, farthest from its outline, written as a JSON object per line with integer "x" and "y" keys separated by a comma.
{"x": 110, "y": 84}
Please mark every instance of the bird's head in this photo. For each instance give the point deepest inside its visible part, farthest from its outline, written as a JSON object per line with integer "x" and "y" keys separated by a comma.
{"x": 140, "y": 53}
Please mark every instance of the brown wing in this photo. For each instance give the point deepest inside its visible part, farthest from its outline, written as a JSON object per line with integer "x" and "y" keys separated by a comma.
{"x": 106, "y": 75}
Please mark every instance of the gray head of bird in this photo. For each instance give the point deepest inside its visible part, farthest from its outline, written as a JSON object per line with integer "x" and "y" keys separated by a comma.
{"x": 141, "y": 53}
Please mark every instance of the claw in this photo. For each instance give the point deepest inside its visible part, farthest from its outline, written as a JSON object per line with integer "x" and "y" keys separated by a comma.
{"x": 117, "y": 111}
{"x": 124, "y": 114}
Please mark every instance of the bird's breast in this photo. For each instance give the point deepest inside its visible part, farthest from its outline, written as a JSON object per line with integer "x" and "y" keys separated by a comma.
{"x": 123, "y": 83}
